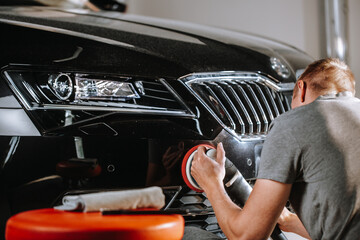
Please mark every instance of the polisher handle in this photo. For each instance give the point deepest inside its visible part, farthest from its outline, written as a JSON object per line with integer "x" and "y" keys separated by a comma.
{"x": 236, "y": 186}
{"x": 239, "y": 189}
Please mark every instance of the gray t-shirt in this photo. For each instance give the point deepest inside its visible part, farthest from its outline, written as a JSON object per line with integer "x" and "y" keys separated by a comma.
{"x": 316, "y": 148}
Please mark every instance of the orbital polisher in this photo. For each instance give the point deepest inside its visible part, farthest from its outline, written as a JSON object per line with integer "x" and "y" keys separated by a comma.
{"x": 236, "y": 186}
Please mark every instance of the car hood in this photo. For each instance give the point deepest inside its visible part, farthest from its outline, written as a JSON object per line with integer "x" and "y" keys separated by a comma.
{"x": 173, "y": 48}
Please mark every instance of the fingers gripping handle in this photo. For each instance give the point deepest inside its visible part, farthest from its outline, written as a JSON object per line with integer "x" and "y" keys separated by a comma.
{"x": 239, "y": 189}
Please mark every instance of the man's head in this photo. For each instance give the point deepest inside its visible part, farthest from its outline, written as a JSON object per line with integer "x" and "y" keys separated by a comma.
{"x": 329, "y": 75}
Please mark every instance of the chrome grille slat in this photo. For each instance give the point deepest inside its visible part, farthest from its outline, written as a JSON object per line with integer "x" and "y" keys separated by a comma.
{"x": 279, "y": 102}
{"x": 267, "y": 109}
{"x": 226, "y": 101}
{"x": 248, "y": 105}
{"x": 245, "y": 102}
{"x": 264, "y": 123}
{"x": 262, "y": 99}
{"x": 249, "y": 127}
{"x": 287, "y": 104}
{"x": 214, "y": 102}
{"x": 270, "y": 99}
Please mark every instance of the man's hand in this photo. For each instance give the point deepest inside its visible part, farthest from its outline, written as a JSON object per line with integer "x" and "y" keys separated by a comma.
{"x": 206, "y": 171}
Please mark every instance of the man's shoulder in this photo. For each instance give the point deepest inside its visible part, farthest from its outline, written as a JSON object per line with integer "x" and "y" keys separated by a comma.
{"x": 311, "y": 113}
{"x": 295, "y": 116}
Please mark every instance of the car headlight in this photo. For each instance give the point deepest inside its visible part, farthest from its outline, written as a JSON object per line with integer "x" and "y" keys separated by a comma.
{"x": 81, "y": 91}
{"x": 97, "y": 89}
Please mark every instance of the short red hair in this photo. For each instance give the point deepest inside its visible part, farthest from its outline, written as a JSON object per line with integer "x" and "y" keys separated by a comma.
{"x": 328, "y": 75}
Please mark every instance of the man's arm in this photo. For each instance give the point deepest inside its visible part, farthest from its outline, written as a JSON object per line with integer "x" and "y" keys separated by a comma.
{"x": 290, "y": 222}
{"x": 261, "y": 211}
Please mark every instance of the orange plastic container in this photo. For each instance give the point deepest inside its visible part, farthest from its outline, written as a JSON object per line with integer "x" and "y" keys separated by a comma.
{"x": 51, "y": 224}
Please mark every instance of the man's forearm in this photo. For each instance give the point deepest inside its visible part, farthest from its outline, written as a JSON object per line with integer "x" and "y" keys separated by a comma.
{"x": 258, "y": 217}
{"x": 290, "y": 222}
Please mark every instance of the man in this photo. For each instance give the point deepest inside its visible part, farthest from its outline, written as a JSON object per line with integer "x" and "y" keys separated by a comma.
{"x": 311, "y": 156}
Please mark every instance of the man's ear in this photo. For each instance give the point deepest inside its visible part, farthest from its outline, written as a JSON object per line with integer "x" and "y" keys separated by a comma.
{"x": 302, "y": 89}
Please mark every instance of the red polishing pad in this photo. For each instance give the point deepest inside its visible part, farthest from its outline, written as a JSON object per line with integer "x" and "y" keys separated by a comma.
{"x": 186, "y": 167}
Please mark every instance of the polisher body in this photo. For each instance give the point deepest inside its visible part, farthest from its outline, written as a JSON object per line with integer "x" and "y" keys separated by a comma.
{"x": 236, "y": 186}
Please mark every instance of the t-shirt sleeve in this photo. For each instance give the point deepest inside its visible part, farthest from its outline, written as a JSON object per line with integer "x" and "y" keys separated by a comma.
{"x": 280, "y": 156}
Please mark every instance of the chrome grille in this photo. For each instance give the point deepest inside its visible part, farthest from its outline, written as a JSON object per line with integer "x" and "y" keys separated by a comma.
{"x": 245, "y": 103}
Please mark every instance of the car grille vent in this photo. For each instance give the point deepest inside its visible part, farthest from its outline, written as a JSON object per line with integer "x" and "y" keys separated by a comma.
{"x": 201, "y": 213}
{"x": 159, "y": 95}
{"x": 246, "y": 106}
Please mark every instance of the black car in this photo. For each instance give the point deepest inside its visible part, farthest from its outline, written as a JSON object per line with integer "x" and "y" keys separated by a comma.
{"x": 105, "y": 100}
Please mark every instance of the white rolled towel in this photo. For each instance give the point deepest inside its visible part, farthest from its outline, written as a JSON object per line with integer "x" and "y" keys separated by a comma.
{"x": 151, "y": 197}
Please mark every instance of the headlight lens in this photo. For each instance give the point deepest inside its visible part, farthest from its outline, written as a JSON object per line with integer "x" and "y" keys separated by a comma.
{"x": 97, "y": 89}
{"x": 61, "y": 84}
{"x": 80, "y": 91}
